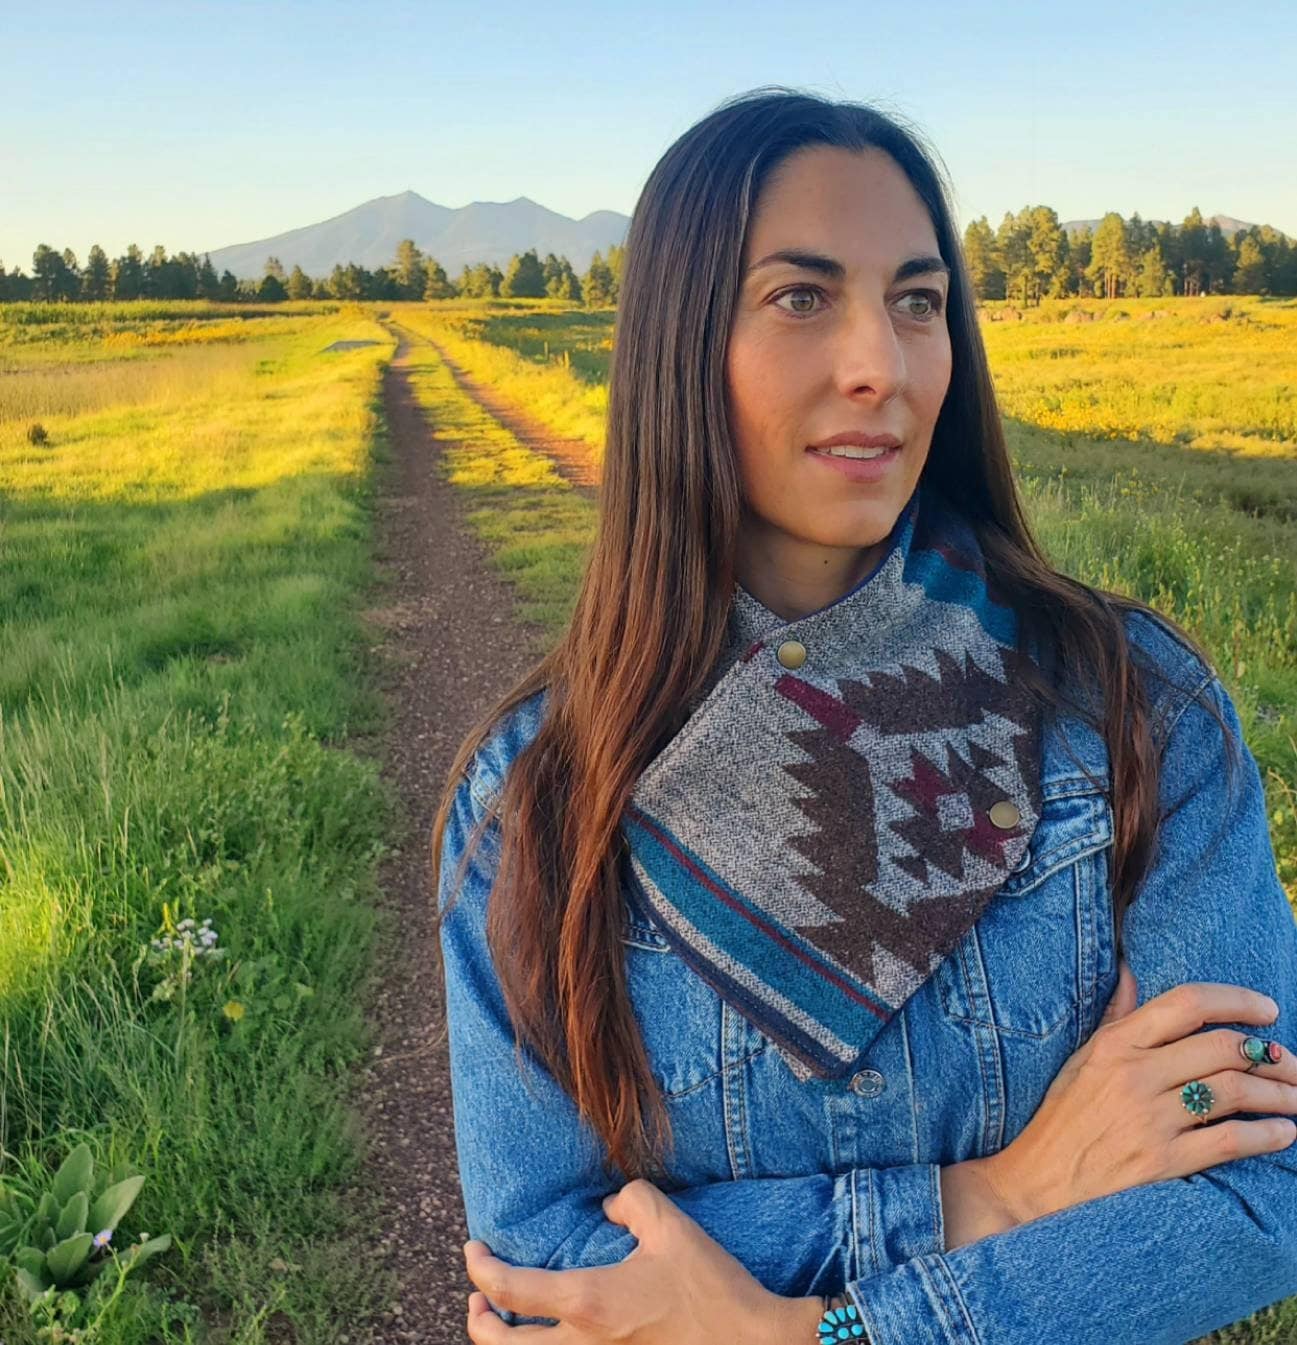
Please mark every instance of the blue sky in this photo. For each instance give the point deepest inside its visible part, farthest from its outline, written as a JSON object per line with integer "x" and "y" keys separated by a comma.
{"x": 198, "y": 125}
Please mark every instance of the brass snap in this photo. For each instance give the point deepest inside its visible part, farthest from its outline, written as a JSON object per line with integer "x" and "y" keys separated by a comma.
{"x": 792, "y": 653}
{"x": 1005, "y": 815}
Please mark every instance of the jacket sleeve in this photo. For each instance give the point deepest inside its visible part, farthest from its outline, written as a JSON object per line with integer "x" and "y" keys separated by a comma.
{"x": 531, "y": 1168}
{"x": 1166, "y": 1262}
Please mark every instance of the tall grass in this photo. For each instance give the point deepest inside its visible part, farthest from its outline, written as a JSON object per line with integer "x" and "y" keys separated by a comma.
{"x": 179, "y": 590}
{"x": 548, "y": 390}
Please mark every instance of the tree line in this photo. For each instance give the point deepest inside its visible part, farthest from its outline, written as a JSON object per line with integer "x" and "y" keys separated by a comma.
{"x": 1029, "y": 257}
{"x": 58, "y": 277}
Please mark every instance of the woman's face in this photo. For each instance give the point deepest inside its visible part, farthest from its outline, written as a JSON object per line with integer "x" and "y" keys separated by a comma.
{"x": 850, "y": 338}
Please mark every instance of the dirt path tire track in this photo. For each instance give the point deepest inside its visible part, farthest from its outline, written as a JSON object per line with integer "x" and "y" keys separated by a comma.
{"x": 572, "y": 457}
{"x": 451, "y": 646}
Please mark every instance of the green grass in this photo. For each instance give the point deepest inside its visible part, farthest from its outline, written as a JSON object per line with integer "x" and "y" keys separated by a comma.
{"x": 180, "y": 583}
{"x": 536, "y": 524}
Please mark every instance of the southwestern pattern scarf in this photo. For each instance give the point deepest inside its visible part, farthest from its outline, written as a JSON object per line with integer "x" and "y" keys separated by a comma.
{"x": 846, "y": 798}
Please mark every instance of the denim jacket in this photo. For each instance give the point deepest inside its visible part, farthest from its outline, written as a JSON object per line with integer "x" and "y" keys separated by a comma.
{"x": 821, "y": 1186}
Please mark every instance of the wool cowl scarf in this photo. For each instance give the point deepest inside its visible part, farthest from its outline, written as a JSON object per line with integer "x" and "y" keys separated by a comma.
{"x": 850, "y": 790}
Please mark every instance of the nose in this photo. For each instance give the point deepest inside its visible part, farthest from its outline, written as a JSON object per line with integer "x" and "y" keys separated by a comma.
{"x": 870, "y": 359}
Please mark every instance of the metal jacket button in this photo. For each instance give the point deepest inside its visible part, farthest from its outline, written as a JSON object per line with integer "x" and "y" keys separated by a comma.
{"x": 1005, "y": 815}
{"x": 868, "y": 1083}
{"x": 792, "y": 653}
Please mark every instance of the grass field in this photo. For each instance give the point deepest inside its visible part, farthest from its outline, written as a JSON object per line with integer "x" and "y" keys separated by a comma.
{"x": 180, "y": 565}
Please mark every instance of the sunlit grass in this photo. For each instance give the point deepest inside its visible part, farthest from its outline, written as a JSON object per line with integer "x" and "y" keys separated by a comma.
{"x": 549, "y": 390}
{"x": 537, "y": 525}
{"x": 180, "y": 580}
{"x": 1215, "y": 373}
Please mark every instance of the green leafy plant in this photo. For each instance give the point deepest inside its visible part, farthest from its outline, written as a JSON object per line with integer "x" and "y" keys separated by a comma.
{"x": 62, "y": 1243}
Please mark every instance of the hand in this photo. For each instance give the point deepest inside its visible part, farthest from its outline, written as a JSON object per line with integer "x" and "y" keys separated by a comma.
{"x": 676, "y": 1287}
{"x": 1113, "y": 1119}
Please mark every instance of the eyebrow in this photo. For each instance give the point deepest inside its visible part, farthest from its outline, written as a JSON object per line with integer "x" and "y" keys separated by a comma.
{"x": 831, "y": 267}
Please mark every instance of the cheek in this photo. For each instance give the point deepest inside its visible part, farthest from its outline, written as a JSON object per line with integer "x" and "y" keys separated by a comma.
{"x": 763, "y": 383}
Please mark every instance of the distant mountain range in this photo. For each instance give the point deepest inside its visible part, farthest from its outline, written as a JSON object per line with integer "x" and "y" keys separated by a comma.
{"x": 1229, "y": 226}
{"x": 483, "y": 231}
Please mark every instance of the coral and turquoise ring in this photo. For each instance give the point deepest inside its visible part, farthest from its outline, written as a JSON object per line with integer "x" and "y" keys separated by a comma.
{"x": 1260, "y": 1052}
{"x": 1197, "y": 1098}
{"x": 840, "y": 1324}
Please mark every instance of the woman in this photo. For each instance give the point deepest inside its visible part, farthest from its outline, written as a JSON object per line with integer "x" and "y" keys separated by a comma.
{"x": 812, "y": 848}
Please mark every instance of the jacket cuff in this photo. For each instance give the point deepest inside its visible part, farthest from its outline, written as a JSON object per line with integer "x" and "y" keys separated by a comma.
{"x": 917, "y": 1303}
{"x": 896, "y": 1215}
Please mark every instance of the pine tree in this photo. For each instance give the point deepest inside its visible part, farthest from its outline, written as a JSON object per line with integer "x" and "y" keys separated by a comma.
{"x": 47, "y": 270}
{"x": 128, "y": 274}
{"x": 271, "y": 289}
{"x": 984, "y": 271}
{"x": 1193, "y": 252}
{"x": 299, "y": 284}
{"x": 616, "y": 260}
{"x": 1151, "y": 278}
{"x": 597, "y": 283}
{"x": 1109, "y": 254}
{"x": 437, "y": 286}
{"x": 95, "y": 281}
{"x": 552, "y": 272}
{"x": 1012, "y": 243}
{"x": 1047, "y": 248}
{"x": 524, "y": 279}
{"x": 229, "y": 287}
{"x": 209, "y": 287}
{"x": 409, "y": 275}
{"x": 1249, "y": 275}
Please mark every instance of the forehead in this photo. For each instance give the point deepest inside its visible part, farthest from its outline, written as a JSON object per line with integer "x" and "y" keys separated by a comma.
{"x": 857, "y": 202}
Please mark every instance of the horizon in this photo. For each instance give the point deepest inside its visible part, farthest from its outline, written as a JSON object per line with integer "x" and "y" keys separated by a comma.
{"x": 266, "y": 120}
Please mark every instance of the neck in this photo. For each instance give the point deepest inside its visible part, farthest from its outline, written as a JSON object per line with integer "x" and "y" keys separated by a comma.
{"x": 793, "y": 578}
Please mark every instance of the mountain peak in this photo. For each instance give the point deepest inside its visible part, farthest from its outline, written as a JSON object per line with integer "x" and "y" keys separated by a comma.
{"x": 482, "y": 231}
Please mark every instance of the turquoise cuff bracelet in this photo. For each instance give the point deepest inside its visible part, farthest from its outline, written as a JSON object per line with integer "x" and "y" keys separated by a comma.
{"x": 840, "y": 1324}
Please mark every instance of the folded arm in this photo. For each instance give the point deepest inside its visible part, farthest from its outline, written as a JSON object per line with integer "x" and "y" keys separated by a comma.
{"x": 532, "y": 1170}
{"x": 1167, "y": 1262}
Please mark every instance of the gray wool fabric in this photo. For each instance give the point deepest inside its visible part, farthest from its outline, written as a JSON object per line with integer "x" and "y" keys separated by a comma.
{"x": 825, "y": 827}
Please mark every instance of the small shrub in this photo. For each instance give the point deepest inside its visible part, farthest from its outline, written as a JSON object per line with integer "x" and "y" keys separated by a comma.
{"x": 37, "y": 433}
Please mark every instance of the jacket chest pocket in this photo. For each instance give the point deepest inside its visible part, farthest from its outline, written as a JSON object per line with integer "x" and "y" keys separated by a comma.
{"x": 1030, "y": 965}
{"x": 690, "y": 1039}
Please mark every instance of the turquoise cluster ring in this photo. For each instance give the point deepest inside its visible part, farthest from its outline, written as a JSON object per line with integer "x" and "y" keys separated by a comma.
{"x": 1197, "y": 1098}
{"x": 840, "y": 1324}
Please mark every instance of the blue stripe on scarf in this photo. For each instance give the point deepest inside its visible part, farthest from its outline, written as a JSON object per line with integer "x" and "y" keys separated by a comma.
{"x": 776, "y": 953}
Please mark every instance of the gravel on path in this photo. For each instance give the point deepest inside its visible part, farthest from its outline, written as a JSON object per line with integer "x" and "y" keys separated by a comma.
{"x": 451, "y": 647}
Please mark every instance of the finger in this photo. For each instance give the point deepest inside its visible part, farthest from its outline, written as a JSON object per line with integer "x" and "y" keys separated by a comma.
{"x": 486, "y": 1327}
{"x": 538, "y": 1293}
{"x": 1210, "y": 1053}
{"x": 1236, "y": 1091}
{"x": 1206, "y": 1146}
{"x": 1184, "y": 1009}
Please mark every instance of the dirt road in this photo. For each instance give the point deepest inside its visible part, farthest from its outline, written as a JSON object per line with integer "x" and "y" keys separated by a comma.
{"x": 451, "y": 647}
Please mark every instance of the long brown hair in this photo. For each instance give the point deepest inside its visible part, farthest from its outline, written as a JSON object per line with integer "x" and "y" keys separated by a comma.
{"x": 651, "y": 612}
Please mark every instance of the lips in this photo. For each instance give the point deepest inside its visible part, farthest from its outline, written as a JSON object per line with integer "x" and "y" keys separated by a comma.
{"x": 858, "y": 439}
